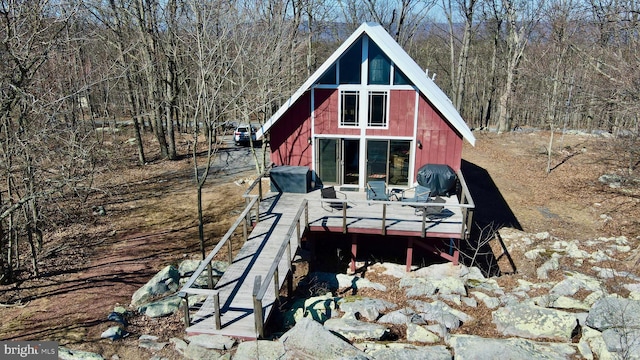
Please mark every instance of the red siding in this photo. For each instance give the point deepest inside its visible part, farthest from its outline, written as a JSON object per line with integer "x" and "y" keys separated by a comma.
{"x": 441, "y": 144}
{"x": 289, "y": 135}
{"x": 326, "y": 114}
{"x": 402, "y": 104}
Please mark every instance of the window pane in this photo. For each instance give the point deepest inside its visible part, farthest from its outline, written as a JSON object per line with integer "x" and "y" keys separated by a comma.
{"x": 329, "y": 77}
{"x": 379, "y": 66}
{"x": 350, "y": 64}
{"x": 399, "y": 164}
{"x": 349, "y": 108}
{"x": 327, "y": 160}
{"x": 377, "y": 151}
{"x": 399, "y": 78}
{"x": 377, "y": 108}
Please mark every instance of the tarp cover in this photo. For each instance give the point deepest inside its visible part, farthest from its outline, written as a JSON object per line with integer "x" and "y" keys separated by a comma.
{"x": 439, "y": 178}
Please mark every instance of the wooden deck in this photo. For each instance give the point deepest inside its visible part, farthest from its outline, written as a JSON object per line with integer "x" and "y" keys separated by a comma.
{"x": 277, "y": 214}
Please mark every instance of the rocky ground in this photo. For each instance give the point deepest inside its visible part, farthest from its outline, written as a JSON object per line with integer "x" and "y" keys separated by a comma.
{"x": 570, "y": 292}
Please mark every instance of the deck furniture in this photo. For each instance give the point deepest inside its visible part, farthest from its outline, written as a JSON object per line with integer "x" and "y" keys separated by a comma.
{"x": 330, "y": 193}
{"x": 377, "y": 190}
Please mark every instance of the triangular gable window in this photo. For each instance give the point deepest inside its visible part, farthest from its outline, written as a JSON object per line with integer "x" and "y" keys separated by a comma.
{"x": 379, "y": 66}
{"x": 399, "y": 78}
{"x": 350, "y": 64}
{"x": 329, "y": 77}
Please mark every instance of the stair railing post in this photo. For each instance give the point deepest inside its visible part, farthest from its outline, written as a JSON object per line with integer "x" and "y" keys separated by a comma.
{"x": 257, "y": 307}
{"x": 216, "y": 307}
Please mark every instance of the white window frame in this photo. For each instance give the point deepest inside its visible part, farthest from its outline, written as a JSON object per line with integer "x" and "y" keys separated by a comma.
{"x": 385, "y": 123}
{"x": 356, "y": 122}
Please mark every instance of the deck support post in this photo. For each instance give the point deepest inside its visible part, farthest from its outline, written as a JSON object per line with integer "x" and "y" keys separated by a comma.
{"x": 423, "y": 233}
{"x": 216, "y": 308}
{"x": 257, "y": 307}
{"x": 409, "y": 254}
{"x": 276, "y": 282}
{"x": 185, "y": 297}
{"x": 384, "y": 219}
{"x": 456, "y": 252}
{"x": 344, "y": 219}
{"x": 354, "y": 252}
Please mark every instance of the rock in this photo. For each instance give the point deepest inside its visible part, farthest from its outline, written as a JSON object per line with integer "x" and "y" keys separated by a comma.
{"x": 302, "y": 342}
{"x": 114, "y": 333}
{"x": 574, "y": 282}
{"x": 217, "y": 342}
{"x": 613, "y": 312}
{"x": 319, "y": 308}
{"x": 163, "y": 307}
{"x": 398, "y": 351}
{"x": 402, "y": 317}
{"x": 467, "y": 347}
{"x": 165, "y": 281}
{"x": 353, "y": 329}
{"x": 118, "y": 317}
{"x": 70, "y": 354}
{"x": 259, "y": 350}
{"x": 440, "y": 312}
{"x": 150, "y": 342}
{"x": 366, "y": 307}
{"x": 417, "y": 333}
{"x": 188, "y": 267}
{"x": 634, "y": 291}
{"x": 530, "y": 321}
{"x": 418, "y": 287}
{"x": 549, "y": 265}
{"x": 560, "y": 302}
{"x": 592, "y": 342}
{"x": 179, "y": 344}
{"x": 196, "y": 352}
{"x": 488, "y": 301}
{"x": 625, "y": 342}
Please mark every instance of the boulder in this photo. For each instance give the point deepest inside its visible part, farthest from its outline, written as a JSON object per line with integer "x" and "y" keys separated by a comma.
{"x": 417, "y": 333}
{"x": 613, "y": 312}
{"x": 151, "y": 342}
{"x": 467, "y": 347}
{"x": 399, "y": 351}
{"x": 197, "y": 352}
{"x": 367, "y": 307}
{"x": 402, "y": 317}
{"x": 530, "y": 321}
{"x": 489, "y": 301}
{"x": 549, "y": 265}
{"x": 303, "y": 339}
{"x": 353, "y": 329}
{"x": 259, "y": 350}
{"x": 625, "y": 342}
{"x": 179, "y": 344}
{"x": 70, "y": 354}
{"x": 440, "y": 312}
{"x": 319, "y": 308}
{"x": 162, "y": 307}
{"x": 573, "y": 282}
{"x": 355, "y": 282}
{"x": 217, "y": 342}
{"x": 165, "y": 281}
{"x": 114, "y": 333}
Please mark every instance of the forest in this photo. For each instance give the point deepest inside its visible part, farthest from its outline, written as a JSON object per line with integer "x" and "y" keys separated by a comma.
{"x": 182, "y": 71}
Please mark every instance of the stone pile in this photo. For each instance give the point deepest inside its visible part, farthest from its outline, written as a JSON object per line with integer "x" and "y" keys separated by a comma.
{"x": 593, "y": 313}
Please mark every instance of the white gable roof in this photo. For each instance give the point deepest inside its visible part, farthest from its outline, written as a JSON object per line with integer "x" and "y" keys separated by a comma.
{"x": 401, "y": 60}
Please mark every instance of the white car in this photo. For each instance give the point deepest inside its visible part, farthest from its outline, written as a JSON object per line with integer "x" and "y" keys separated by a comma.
{"x": 241, "y": 135}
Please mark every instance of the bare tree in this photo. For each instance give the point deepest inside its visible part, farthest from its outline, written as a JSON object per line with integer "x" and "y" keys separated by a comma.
{"x": 522, "y": 17}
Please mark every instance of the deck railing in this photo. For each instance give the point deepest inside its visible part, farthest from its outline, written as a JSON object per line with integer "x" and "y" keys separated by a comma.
{"x": 465, "y": 203}
{"x": 244, "y": 219}
{"x": 261, "y": 287}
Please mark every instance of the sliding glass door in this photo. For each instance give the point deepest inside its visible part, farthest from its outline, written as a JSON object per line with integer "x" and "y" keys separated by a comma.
{"x": 338, "y": 161}
{"x": 388, "y": 160}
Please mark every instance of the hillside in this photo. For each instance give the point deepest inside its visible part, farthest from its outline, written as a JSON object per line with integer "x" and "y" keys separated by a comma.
{"x": 97, "y": 263}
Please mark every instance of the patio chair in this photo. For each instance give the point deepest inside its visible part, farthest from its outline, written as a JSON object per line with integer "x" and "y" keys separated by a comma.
{"x": 331, "y": 194}
{"x": 377, "y": 190}
{"x": 420, "y": 194}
